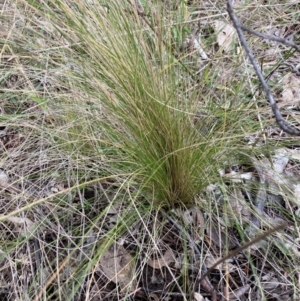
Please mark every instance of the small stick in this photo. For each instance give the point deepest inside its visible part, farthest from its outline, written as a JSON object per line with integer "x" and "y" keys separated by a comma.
{"x": 239, "y": 249}
{"x": 284, "y": 125}
{"x": 271, "y": 38}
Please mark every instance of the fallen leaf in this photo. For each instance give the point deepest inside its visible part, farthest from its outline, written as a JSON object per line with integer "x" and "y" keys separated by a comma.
{"x": 219, "y": 237}
{"x": 238, "y": 209}
{"x": 226, "y": 35}
{"x": 240, "y": 292}
{"x": 3, "y": 179}
{"x": 118, "y": 266}
{"x": 280, "y": 160}
{"x": 198, "y": 297}
{"x": 167, "y": 258}
{"x": 290, "y": 94}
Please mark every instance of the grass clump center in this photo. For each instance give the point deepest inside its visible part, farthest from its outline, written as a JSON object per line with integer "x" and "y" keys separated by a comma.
{"x": 147, "y": 121}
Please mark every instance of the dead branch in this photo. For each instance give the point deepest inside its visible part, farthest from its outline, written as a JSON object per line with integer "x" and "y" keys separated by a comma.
{"x": 283, "y": 124}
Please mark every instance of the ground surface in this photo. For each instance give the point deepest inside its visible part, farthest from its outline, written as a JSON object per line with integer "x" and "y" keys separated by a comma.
{"x": 58, "y": 206}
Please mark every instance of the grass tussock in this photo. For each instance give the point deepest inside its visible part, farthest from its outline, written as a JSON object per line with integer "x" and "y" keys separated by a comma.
{"x": 147, "y": 128}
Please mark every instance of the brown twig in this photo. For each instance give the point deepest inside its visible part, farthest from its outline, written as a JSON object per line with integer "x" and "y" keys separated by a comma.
{"x": 239, "y": 249}
{"x": 271, "y": 38}
{"x": 293, "y": 68}
{"x": 284, "y": 125}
